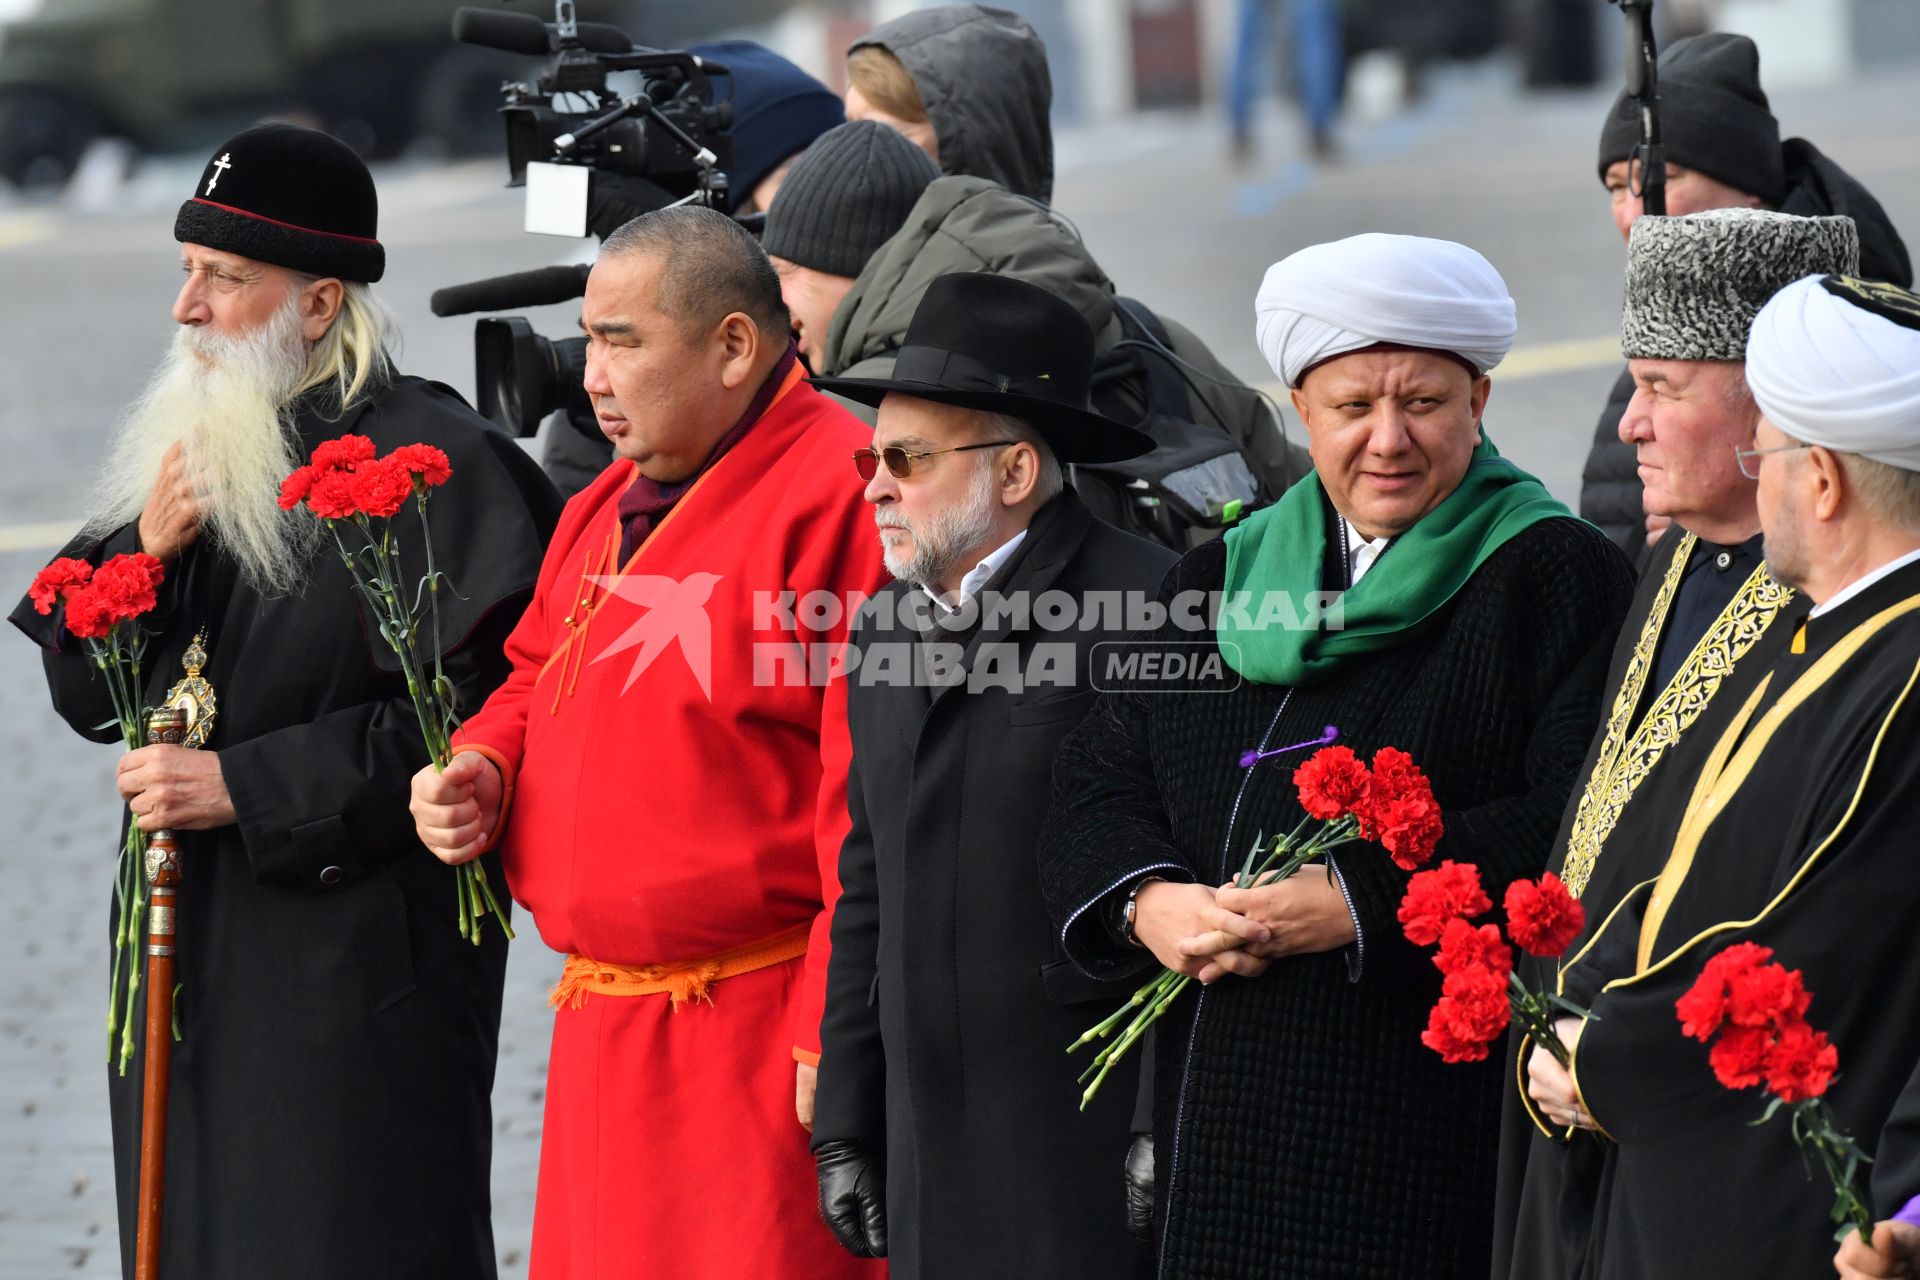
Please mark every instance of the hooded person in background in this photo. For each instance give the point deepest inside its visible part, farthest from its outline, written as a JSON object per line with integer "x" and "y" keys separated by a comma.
{"x": 864, "y": 224}
{"x": 778, "y": 109}
{"x": 1724, "y": 151}
{"x": 965, "y": 83}
{"x": 329, "y": 1111}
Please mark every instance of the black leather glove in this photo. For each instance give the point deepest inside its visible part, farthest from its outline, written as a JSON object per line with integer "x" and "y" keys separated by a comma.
{"x": 853, "y": 1185}
{"x": 1139, "y": 1187}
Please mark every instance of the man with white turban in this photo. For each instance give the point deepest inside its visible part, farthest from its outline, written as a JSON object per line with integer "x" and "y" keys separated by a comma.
{"x": 1416, "y": 591}
{"x": 1704, "y": 624}
{"x": 1798, "y": 832}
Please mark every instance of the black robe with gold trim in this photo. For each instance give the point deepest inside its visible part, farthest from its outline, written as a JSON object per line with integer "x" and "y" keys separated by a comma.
{"x": 1801, "y": 832}
{"x": 1616, "y": 832}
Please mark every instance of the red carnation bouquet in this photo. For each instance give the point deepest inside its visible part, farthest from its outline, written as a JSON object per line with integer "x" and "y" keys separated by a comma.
{"x": 1390, "y": 803}
{"x": 1480, "y": 994}
{"x": 103, "y": 610}
{"x": 1757, "y": 1010}
{"x": 357, "y": 496}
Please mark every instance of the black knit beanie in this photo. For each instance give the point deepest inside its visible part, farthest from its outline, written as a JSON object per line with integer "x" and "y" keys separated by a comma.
{"x": 846, "y": 195}
{"x": 1714, "y": 115}
{"x": 294, "y": 197}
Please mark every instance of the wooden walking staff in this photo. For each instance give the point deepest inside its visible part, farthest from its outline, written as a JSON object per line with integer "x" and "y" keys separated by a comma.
{"x": 164, "y": 725}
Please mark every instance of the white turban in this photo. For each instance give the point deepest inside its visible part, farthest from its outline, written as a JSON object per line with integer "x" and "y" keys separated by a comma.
{"x": 1828, "y": 366}
{"x": 1329, "y": 299}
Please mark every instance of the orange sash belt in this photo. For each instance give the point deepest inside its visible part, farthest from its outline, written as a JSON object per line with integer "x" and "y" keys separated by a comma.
{"x": 678, "y": 982}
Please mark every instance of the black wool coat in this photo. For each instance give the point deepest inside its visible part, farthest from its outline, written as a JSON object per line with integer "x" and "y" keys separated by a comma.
{"x": 949, "y": 1005}
{"x": 329, "y": 1112}
{"x": 1302, "y": 1130}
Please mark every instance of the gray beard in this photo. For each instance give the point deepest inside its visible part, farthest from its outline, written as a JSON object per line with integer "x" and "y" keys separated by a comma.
{"x": 940, "y": 542}
{"x": 226, "y": 401}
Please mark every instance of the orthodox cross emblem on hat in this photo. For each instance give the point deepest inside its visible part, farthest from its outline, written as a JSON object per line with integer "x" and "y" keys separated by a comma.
{"x": 1885, "y": 300}
{"x": 219, "y": 166}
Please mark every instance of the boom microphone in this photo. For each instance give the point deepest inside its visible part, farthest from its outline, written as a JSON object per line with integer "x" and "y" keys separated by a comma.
{"x": 521, "y": 289}
{"x": 524, "y": 33}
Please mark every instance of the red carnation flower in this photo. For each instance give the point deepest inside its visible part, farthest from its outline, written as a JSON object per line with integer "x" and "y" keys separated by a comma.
{"x": 1739, "y": 1056}
{"x": 1408, "y": 827}
{"x": 1440, "y": 1038}
{"x": 1473, "y": 1004}
{"x": 1395, "y": 774}
{"x": 124, "y": 586}
{"x": 1449, "y": 891}
{"x": 343, "y": 454}
{"x": 1542, "y": 916}
{"x": 1331, "y": 782}
{"x": 1704, "y": 1008}
{"x": 1464, "y": 946}
{"x": 62, "y": 577}
{"x": 331, "y": 497}
{"x": 381, "y": 488}
{"x": 425, "y": 463}
{"x": 1801, "y": 1063}
{"x": 1768, "y": 995}
{"x": 294, "y": 489}
{"x": 89, "y": 615}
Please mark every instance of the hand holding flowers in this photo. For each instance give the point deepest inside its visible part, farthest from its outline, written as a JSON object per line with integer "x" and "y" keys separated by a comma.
{"x": 1755, "y": 1013}
{"x": 357, "y": 495}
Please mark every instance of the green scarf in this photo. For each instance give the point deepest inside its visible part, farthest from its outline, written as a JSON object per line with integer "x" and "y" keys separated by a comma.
{"x": 1281, "y": 550}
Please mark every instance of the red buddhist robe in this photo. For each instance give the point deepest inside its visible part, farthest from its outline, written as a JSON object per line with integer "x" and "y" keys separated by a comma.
{"x": 677, "y": 791}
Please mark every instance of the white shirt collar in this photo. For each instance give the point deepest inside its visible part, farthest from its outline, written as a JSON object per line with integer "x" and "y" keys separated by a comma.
{"x": 1861, "y": 583}
{"x": 1362, "y": 551}
{"x": 978, "y": 576}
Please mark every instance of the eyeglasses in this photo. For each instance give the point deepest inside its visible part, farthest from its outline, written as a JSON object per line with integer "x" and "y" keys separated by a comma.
{"x": 900, "y": 461}
{"x": 1740, "y": 457}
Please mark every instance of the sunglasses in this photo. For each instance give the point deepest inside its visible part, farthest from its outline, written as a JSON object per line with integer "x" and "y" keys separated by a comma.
{"x": 899, "y": 462}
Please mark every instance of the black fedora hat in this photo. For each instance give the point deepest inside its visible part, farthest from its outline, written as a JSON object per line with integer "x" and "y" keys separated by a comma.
{"x": 987, "y": 342}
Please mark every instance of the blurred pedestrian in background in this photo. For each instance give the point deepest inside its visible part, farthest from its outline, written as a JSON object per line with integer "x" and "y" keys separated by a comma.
{"x": 1313, "y": 49}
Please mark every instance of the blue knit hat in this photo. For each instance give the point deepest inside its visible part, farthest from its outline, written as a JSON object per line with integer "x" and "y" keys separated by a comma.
{"x": 778, "y": 110}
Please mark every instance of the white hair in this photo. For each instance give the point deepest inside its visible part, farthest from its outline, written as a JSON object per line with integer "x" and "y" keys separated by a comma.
{"x": 226, "y": 401}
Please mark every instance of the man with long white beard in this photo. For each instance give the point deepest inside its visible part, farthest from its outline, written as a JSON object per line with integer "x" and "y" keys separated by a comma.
{"x": 329, "y": 1111}
{"x": 945, "y": 1132}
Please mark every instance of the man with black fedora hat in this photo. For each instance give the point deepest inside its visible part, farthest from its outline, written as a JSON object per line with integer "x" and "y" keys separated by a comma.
{"x": 329, "y": 1109}
{"x": 1724, "y": 151}
{"x": 945, "y": 1127}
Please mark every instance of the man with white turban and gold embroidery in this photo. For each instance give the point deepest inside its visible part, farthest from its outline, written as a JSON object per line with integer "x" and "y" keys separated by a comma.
{"x": 1300, "y": 1128}
{"x": 1798, "y": 837}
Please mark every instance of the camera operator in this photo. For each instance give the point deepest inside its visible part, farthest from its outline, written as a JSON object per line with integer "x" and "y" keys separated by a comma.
{"x": 777, "y": 110}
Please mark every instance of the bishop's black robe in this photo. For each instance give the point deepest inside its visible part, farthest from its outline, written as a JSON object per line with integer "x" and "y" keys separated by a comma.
{"x": 1705, "y": 623}
{"x": 330, "y": 1111}
{"x": 1302, "y": 1130}
{"x": 1802, "y": 839}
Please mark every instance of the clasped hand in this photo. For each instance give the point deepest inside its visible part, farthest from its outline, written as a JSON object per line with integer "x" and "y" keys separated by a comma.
{"x": 455, "y": 811}
{"x": 1207, "y": 933}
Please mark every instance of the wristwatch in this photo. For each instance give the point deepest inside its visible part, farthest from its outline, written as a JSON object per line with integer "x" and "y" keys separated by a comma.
{"x": 1132, "y": 906}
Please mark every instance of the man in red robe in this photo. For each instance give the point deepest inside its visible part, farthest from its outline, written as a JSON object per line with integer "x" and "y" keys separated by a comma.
{"x": 665, "y": 773}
